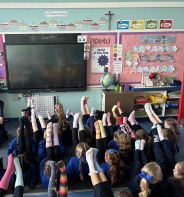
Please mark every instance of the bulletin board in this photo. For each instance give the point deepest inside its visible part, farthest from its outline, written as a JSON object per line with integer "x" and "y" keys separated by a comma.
{"x": 104, "y": 43}
{"x": 156, "y": 52}
{"x": 2, "y": 61}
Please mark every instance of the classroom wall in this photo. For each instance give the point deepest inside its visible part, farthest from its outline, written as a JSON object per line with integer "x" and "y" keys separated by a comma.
{"x": 13, "y": 104}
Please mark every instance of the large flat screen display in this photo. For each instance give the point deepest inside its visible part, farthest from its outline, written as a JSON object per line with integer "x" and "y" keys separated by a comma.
{"x": 46, "y": 66}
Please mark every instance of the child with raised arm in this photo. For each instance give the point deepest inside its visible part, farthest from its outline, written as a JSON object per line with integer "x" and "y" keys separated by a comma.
{"x": 171, "y": 132}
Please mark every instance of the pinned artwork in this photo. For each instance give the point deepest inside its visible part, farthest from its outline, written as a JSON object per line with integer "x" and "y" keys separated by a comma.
{"x": 158, "y": 39}
{"x": 4, "y": 25}
{"x": 61, "y": 26}
{"x": 100, "y": 58}
{"x": 34, "y": 27}
{"x": 166, "y": 24}
{"x": 156, "y": 57}
{"x": 102, "y": 21}
{"x": 13, "y": 23}
{"x": 43, "y": 25}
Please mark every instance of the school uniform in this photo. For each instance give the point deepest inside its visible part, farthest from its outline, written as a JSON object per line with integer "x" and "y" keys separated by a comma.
{"x": 164, "y": 156}
{"x": 103, "y": 189}
{"x": 42, "y": 153}
{"x": 72, "y": 169}
{"x": 43, "y": 178}
{"x": 113, "y": 145}
{"x": 157, "y": 189}
{"x": 13, "y": 148}
{"x": 105, "y": 167}
{"x": 175, "y": 188}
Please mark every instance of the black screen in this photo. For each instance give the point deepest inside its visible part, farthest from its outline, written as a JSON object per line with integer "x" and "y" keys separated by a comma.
{"x": 46, "y": 66}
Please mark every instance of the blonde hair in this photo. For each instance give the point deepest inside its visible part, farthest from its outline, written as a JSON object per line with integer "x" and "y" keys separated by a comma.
{"x": 117, "y": 167}
{"x": 124, "y": 142}
{"x": 151, "y": 169}
{"x": 180, "y": 169}
{"x": 80, "y": 152}
{"x": 47, "y": 168}
{"x": 60, "y": 115}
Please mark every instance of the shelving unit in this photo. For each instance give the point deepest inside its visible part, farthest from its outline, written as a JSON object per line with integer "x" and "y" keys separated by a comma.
{"x": 159, "y": 107}
{"x": 127, "y": 99}
{"x": 172, "y": 104}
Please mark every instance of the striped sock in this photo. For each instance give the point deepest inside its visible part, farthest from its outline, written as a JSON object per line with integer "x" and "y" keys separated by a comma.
{"x": 63, "y": 188}
{"x": 52, "y": 187}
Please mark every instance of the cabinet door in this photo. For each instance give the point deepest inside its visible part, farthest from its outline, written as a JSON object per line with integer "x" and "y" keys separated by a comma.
{"x": 126, "y": 99}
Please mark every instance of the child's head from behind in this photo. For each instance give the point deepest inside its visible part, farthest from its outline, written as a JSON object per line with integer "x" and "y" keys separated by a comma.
{"x": 151, "y": 173}
{"x": 124, "y": 142}
{"x": 178, "y": 171}
{"x": 80, "y": 152}
{"x": 58, "y": 108}
{"x": 47, "y": 168}
{"x": 141, "y": 134}
{"x": 123, "y": 193}
{"x": 81, "y": 148}
{"x": 168, "y": 133}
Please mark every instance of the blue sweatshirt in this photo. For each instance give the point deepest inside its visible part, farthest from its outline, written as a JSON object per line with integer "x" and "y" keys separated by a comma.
{"x": 13, "y": 147}
{"x": 44, "y": 179}
{"x": 113, "y": 145}
{"x": 105, "y": 167}
{"x": 42, "y": 153}
{"x": 72, "y": 169}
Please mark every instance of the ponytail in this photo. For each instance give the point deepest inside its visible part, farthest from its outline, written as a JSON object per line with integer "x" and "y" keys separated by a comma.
{"x": 144, "y": 187}
{"x": 80, "y": 168}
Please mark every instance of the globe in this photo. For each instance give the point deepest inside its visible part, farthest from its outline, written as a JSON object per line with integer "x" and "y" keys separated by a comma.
{"x": 106, "y": 80}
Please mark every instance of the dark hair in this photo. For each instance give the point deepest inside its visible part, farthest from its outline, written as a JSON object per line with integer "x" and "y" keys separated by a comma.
{"x": 117, "y": 167}
{"x": 98, "y": 114}
{"x": 142, "y": 134}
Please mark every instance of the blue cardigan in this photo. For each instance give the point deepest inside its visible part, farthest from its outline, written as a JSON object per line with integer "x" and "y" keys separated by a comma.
{"x": 105, "y": 167}
{"x": 72, "y": 168}
{"x": 13, "y": 147}
{"x": 44, "y": 179}
{"x": 42, "y": 153}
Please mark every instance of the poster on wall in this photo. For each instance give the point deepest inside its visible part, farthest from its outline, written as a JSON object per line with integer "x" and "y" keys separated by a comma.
{"x": 100, "y": 58}
{"x": 123, "y": 24}
{"x": 166, "y": 24}
{"x": 136, "y": 24}
{"x": 151, "y": 24}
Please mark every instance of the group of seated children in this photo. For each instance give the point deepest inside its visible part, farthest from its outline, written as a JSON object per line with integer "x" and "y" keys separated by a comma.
{"x": 107, "y": 154}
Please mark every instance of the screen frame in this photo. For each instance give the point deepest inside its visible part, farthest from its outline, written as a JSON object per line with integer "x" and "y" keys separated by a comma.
{"x": 30, "y": 90}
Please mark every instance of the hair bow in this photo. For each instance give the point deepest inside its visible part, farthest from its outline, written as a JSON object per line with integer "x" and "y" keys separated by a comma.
{"x": 146, "y": 176}
{"x": 112, "y": 151}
